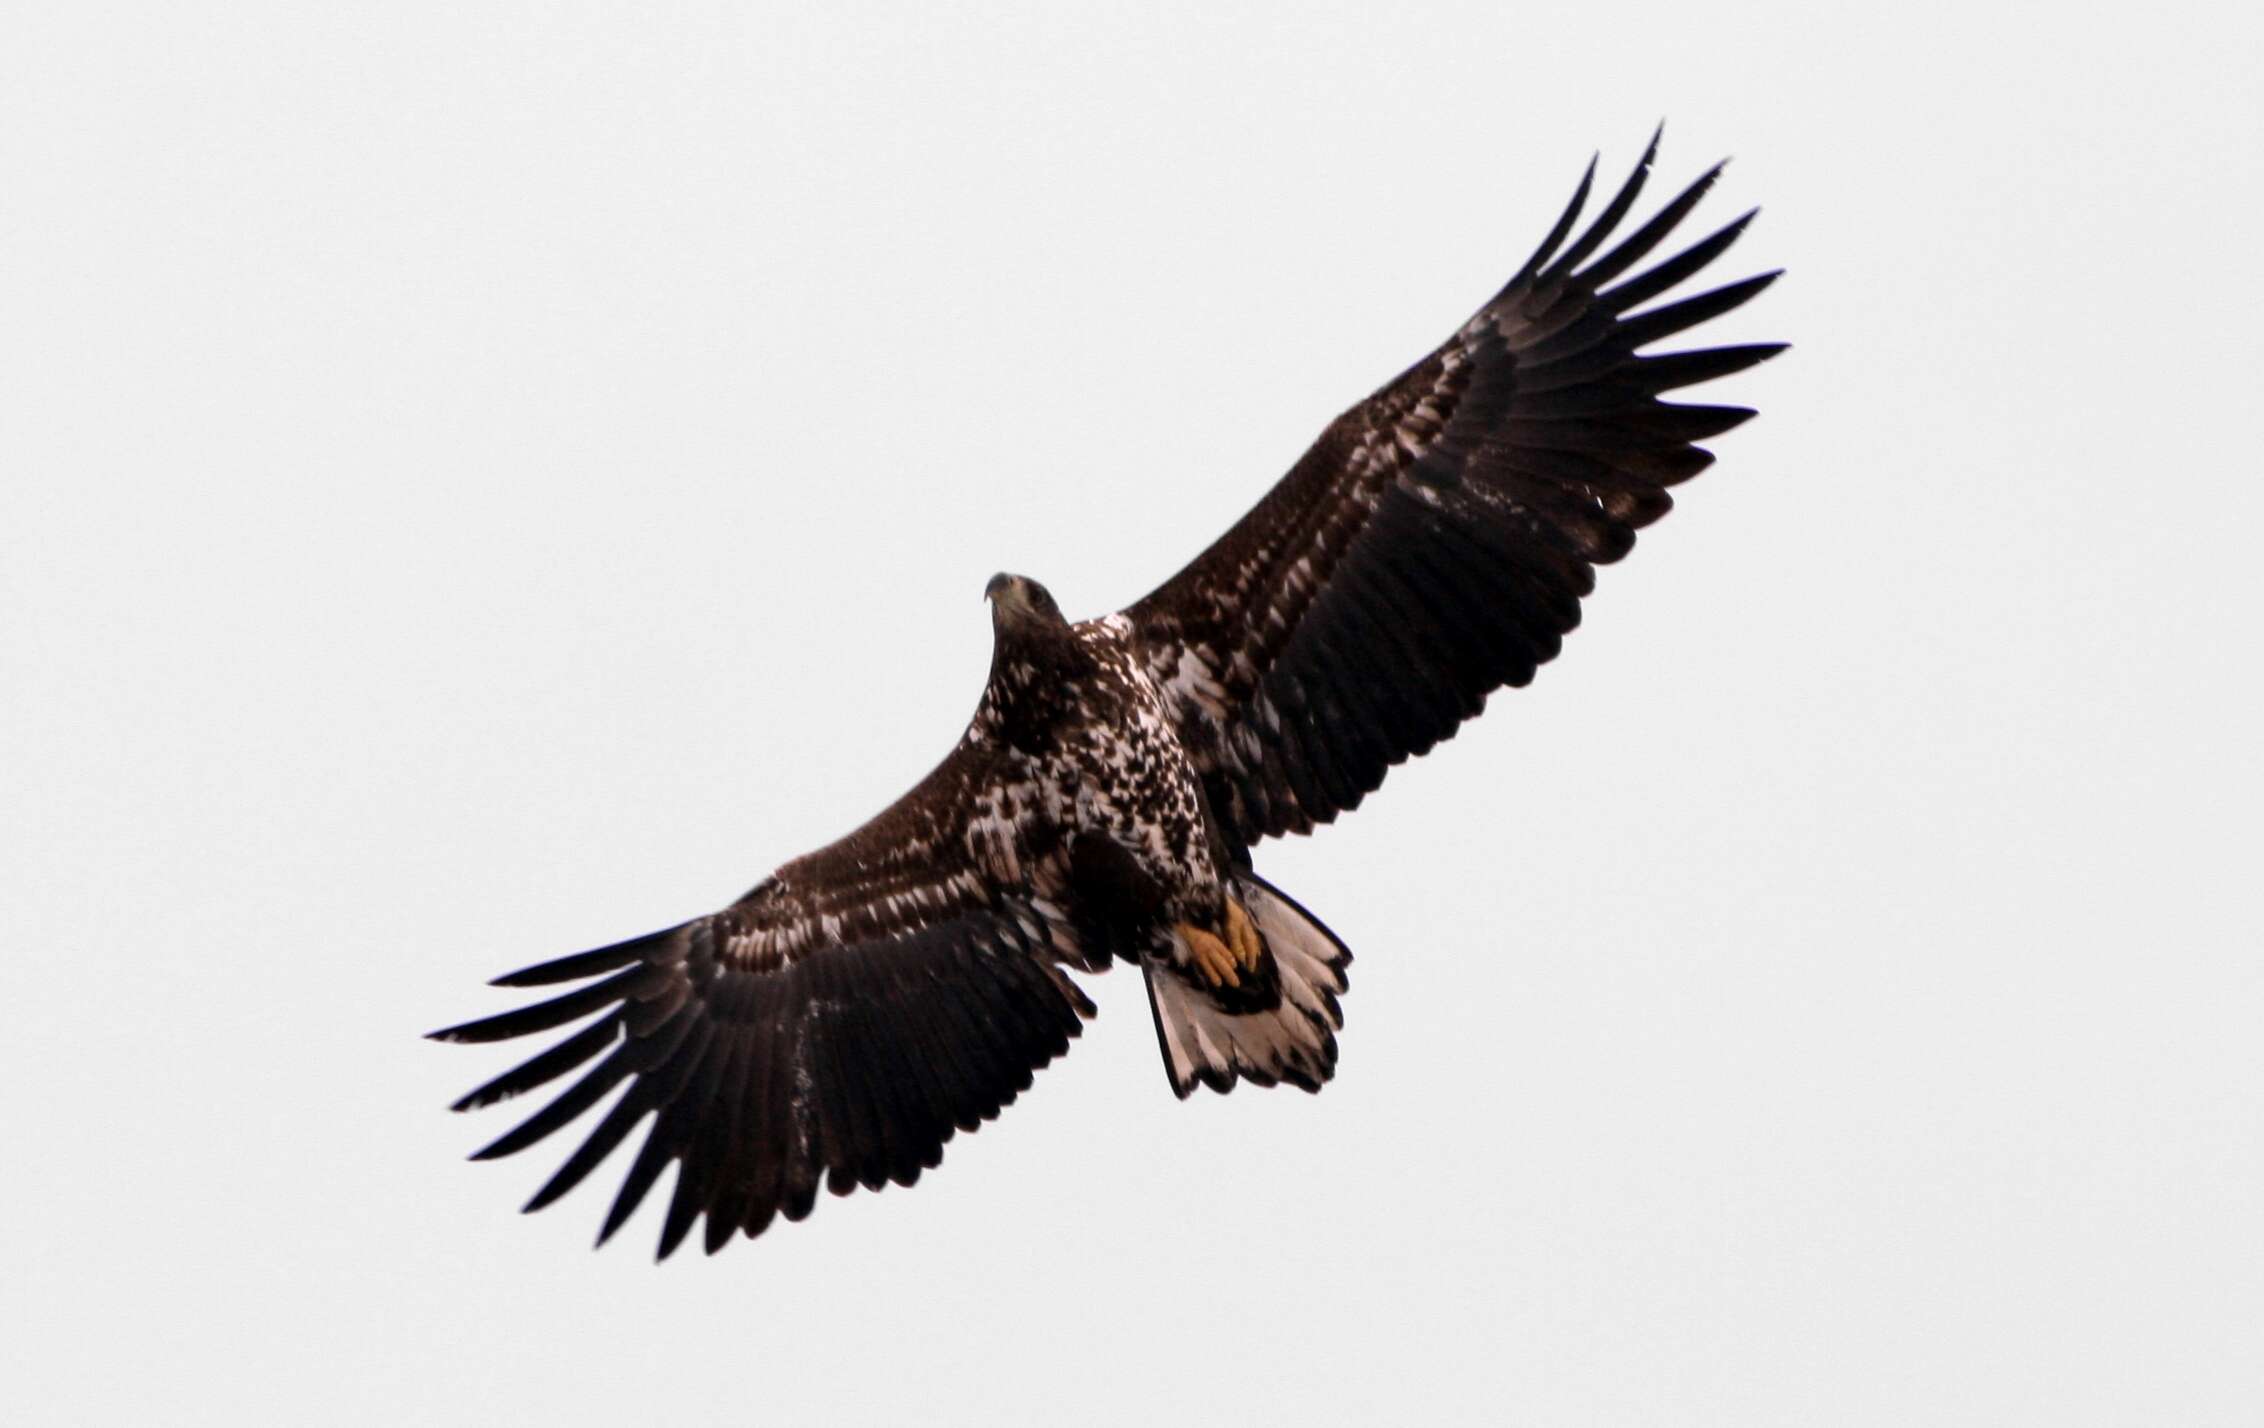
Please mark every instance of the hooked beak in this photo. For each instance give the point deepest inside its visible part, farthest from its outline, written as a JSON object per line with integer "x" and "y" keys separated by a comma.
{"x": 998, "y": 582}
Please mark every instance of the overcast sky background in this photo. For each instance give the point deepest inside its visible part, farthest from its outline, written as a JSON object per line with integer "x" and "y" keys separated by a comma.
{"x": 482, "y": 481}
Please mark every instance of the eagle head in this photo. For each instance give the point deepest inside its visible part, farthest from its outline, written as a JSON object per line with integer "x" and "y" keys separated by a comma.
{"x": 1017, "y": 600}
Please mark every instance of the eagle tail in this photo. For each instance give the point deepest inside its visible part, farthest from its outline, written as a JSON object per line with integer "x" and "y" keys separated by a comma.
{"x": 1215, "y": 1038}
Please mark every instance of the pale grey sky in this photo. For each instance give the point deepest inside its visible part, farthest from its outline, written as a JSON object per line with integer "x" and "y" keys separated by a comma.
{"x": 481, "y": 481}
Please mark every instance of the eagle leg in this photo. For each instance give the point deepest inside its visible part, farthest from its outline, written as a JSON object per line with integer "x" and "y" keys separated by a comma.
{"x": 1223, "y": 960}
{"x": 1212, "y": 959}
{"x": 1242, "y": 936}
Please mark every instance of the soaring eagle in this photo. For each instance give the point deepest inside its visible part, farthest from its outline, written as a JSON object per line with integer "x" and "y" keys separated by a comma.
{"x": 837, "y": 1024}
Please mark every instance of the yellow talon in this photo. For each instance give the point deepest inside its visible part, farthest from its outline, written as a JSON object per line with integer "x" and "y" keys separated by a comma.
{"x": 1212, "y": 958}
{"x": 1242, "y": 935}
{"x": 1223, "y": 960}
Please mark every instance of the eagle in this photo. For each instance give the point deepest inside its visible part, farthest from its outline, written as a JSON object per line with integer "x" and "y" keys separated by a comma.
{"x": 839, "y": 1023}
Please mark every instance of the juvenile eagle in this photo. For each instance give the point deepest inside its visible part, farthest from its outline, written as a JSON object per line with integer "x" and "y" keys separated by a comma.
{"x": 839, "y": 1022}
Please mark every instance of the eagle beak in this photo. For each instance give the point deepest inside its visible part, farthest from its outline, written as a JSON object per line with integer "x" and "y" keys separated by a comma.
{"x": 1018, "y": 600}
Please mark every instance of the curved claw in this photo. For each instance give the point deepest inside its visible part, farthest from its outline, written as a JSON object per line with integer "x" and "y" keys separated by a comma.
{"x": 1242, "y": 936}
{"x": 1212, "y": 959}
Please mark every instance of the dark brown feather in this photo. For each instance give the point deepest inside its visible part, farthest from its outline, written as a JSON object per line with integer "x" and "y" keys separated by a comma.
{"x": 1436, "y": 541}
{"x": 833, "y": 1029}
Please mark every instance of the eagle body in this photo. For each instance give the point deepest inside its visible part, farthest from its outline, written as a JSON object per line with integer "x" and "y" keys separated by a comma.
{"x": 1078, "y": 796}
{"x": 1074, "y": 709}
{"x": 838, "y": 1024}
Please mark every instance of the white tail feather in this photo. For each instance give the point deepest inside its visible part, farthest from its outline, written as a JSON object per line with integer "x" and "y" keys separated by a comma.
{"x": 1294, "y": 1041}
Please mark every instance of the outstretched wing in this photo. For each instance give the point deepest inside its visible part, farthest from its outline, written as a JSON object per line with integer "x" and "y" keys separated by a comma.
{"x": 1435, "y": 543}
{"x": 836, "y": 1025}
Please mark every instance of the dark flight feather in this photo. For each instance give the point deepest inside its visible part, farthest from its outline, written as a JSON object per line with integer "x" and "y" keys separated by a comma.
{"x": 1462, "y": 507}
{"x": 850, "y": 1015}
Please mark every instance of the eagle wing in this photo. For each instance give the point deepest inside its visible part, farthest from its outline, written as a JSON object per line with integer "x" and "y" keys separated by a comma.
{"x": 1435, "y": 543}
{"x": 836, "y": 1025}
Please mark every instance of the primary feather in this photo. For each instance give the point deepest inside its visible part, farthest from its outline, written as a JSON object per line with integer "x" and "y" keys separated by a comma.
{"x": 843, "y": 1020}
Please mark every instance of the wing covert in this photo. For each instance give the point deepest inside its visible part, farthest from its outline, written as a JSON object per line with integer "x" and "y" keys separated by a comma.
{"x": 834, "y": 1028}
{"x": 1436, "y": 541}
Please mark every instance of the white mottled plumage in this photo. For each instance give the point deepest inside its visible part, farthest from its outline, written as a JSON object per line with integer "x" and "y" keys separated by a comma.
{"x": 836, "y": 1025}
